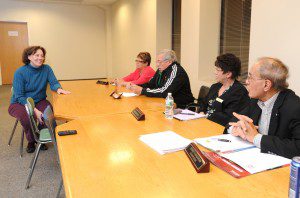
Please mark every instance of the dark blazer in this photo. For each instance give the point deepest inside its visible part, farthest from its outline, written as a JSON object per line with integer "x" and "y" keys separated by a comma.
{"x": 284, "y": 131}
{"x": 234, "y": 100}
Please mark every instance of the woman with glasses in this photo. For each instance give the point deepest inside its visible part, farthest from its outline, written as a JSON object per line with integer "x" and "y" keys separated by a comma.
{"x": 142, "y": 74}
{"x": 228, "y": 95}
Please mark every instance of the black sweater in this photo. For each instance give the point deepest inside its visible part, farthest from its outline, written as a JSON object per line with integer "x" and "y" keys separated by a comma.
{"x": 234, "y": 99}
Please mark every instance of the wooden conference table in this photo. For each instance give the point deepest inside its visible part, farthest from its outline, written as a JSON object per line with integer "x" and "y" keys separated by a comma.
{"x": 88, "y": 98}
{"x": 106, "y": 159}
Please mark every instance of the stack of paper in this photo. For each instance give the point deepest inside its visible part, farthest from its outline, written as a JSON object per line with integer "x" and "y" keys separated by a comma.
{"x": 128, "y": 94}
{"x": 165, "y": 142}
{"x": 186, "y": 114}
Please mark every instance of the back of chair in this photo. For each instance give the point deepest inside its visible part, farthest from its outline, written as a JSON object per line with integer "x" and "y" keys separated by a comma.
{"x": 202, "y": 93}
{"x": 51, "y": 124}
{"x": 30, "y": 111}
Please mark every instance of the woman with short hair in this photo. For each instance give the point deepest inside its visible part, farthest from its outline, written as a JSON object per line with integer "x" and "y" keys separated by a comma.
{"x": 31, "y": 80}
{"x": 228, "y": 95}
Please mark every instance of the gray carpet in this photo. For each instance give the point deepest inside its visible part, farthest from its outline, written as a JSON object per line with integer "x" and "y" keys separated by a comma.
{"x": 14, "y": 170}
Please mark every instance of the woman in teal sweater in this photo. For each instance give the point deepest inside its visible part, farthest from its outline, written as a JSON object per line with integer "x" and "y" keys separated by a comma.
{"x": 31, "y": 80}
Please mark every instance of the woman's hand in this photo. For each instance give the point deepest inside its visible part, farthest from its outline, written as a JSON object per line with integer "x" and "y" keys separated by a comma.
{"x": 61, "y": 91}
{"x": 38, "y": 115}
{"x": 120, "y": 82}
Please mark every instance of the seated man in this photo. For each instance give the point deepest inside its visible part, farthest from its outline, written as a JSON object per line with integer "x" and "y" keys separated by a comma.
{"x": 169, "y": 78}
{"x": 272, "y": 120}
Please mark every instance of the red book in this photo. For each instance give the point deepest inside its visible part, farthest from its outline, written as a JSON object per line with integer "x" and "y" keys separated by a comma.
{"x": 226, "y": 165}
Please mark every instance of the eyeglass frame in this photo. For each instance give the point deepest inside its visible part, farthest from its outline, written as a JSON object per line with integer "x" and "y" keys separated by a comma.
{"x": 139, "y": 61}
{"x": 250, "y": 78}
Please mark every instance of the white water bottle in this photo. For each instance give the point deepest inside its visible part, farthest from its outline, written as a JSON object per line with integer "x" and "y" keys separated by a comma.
{"x": 169, "y": 113}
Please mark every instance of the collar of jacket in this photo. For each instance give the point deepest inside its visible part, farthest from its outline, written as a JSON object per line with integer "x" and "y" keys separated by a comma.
{"x": 275, "y": 111}
{"x": 169, "y": 68}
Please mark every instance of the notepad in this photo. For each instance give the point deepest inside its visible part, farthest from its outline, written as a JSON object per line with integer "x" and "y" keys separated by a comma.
{"x": 165, "y": 142}
{"x": 253, "y": 161}
{"x": 213, "y": 143}
{"x": 186, "y": 114}
{"x": 241, "y": 152}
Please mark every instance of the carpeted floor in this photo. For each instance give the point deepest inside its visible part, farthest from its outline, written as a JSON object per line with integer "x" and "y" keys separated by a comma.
{"x": 14, "y": 170}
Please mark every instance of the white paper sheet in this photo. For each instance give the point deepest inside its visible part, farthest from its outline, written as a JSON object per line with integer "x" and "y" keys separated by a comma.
{"x": 165, "y": 142}
{"x": 219, "y": 143}
{"x": 253, "y": 161}
{"x": 186, "y": 114}
{"x": 128, "y": 94}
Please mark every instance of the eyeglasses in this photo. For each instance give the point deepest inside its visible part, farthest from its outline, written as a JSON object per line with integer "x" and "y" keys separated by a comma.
{"x": 251, "y": 78}
{"x": 160, "y": 61}
{"x": 139, "y": 61}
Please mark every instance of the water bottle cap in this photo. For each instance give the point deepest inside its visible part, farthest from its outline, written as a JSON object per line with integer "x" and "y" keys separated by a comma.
{"x": 169, "y": 94}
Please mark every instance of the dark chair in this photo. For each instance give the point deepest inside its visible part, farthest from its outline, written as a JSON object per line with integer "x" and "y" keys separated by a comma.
{"x": 41, "y": 136}
{"x": 198, "y": 104}
{"x": 13, "y": 132}
{"x": 51, "y": 124}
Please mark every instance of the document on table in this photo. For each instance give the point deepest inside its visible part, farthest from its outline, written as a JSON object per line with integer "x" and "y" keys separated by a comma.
{"x": 186, "y": 114}
{"x": 242, "y": 153}
{"x": 253, "y": 161}
{"x": 165, "y": 142}
{"x": 128, "y": 94}
{"x": 224, "y": 143}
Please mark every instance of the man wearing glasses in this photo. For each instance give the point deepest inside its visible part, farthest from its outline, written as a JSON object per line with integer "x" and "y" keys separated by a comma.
{"x": 170, "y": 77}
{"x": 272, "y": 120}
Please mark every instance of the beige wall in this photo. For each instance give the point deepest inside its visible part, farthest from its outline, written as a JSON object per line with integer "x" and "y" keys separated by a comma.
{"x": 275, "y": 30}
{"x": 137, "y": 25}
{"x": 200, "y": 27}
{"x": 73, "y": 35}
{"x": 163, "y": 24}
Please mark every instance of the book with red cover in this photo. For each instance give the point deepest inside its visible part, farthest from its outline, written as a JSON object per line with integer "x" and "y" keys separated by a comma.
{"x": 226, "y": 165}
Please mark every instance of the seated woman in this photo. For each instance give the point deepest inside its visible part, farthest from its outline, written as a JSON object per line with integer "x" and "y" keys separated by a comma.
{"x": 228, "y": 95}
{"x": 31, "y": 80}
{"x": 143, "y": 72}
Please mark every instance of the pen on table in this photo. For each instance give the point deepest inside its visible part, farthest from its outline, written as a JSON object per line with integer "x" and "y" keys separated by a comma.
{"x": 223, "y": 140}
{"x": 187, "y": 113}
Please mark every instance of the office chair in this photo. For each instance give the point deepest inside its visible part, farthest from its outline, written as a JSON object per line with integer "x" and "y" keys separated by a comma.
{"x": 14, "y": 129}
{"x": 198, "y": 104}
{"x": 41, "y": 137}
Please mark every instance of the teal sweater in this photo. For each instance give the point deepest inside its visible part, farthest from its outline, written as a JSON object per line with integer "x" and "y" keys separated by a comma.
{"x": 32, "y": 82}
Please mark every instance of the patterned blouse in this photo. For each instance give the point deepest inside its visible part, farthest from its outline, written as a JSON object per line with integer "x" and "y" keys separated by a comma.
{"x": 210, "y": 108}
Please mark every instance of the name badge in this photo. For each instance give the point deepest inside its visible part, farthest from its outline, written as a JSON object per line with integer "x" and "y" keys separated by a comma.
{"x": 219, "y": 100}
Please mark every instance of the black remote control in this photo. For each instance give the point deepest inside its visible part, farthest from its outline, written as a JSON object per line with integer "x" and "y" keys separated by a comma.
{"x": 68, "y": 132}
{"x": 102, "y": 82}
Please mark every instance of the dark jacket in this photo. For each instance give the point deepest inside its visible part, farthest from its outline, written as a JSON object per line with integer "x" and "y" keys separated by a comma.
{"x": 234, "y": 99}
{"x": 173, "y": 80}
{"x": 284, "y": 131}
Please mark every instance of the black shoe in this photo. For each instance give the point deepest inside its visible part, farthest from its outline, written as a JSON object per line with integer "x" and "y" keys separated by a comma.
{"x": 30, "y": 147}
{"x": 44, "y": 147}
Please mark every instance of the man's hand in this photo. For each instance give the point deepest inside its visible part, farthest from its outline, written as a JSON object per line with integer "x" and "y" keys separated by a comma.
{"x": 136, "y": 89}
{"x": 244, "y": 128}
{"x": 38, "y": 115}
{"x": 61, "y": 91}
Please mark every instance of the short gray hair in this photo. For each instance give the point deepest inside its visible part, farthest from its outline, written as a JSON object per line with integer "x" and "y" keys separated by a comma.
{"x": 274, "y": 70}
{"x": 169, "y": 55}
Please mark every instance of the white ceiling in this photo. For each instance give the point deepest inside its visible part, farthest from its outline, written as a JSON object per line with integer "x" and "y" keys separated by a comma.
{"x": 89, "y": 2}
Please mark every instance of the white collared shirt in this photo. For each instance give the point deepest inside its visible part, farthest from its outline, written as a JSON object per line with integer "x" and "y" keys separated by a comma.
{"x": 265, "y": 118}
